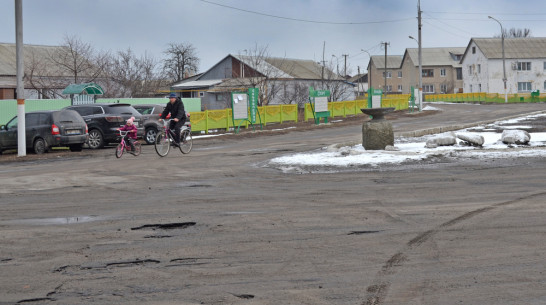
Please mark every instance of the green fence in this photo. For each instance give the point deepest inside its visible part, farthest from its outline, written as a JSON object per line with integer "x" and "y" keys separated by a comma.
{"x": 482, "y": 97}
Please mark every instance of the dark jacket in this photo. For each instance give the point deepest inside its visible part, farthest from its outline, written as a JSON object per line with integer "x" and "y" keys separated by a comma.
{"x": 176, "y": 109}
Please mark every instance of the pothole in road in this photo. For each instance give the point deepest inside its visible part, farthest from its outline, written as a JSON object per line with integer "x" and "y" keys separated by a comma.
{"x": 364, "y": 232}
{"x": 166, "y": 226}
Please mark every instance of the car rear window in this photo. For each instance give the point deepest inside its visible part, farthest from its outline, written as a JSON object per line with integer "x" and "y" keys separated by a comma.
{"x": 144, "y": 110}
{"x": 67, "y": 116}
{"x": 121, "y": 109}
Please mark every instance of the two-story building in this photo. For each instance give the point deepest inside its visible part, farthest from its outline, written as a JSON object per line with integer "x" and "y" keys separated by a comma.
{"x": 441, "y": 68}
{"x": 525, "y": 65}
{"x": 389, "y": 75}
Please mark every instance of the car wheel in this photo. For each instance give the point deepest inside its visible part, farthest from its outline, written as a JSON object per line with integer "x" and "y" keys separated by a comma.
{"x": 96, "y": 140}
{"x": 76, "y": 147}
{"x": 150, "y": 135}
{"x": 39, "y": 146}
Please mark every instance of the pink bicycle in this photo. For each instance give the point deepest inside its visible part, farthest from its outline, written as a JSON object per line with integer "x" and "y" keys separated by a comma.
{"x": 125, "y": 147}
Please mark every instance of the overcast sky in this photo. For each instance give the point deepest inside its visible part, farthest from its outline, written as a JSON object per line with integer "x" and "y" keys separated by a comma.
{"x": 289, "y": 28}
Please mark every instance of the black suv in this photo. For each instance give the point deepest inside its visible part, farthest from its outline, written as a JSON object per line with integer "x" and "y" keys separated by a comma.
{"x": 103, "y": 120}
{"x": 150, "y": 118}
{"x": 45, "y": 129}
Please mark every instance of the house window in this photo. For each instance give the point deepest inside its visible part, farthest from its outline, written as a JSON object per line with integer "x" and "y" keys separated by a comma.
{"x": 389, "y": 88}
{"x": 201, "y": 93}
{"x": 389, "y": 74}
{"x": 479, "y": 68}
{"x": 473, "y": 50}
{"x": 470, "y": 69}
{"x": 219, "y": 97}
{"x": 443, "y": 88}
{"x": 479, "y": 87}
{"x": 524, "y": 66}
{"x": 399, "y": 74}
{"x": 459, "y": 73}
{"x": 545, "y": 66}
{"x": 443, "y": 72}
{"x": 545, "y": 86}
{"x": 399, "y": 88}
{"x": 428, "y": 88}
{"x": 470, "y": 88}
{"x": 524, "y": 86}
{"x": 428, "y": 72}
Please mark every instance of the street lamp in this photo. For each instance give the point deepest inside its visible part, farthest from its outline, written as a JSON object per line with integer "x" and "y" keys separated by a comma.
{"x": 369, "y": 74}
{"x": 420, "y": 74}
{"x": 503, "y": 63}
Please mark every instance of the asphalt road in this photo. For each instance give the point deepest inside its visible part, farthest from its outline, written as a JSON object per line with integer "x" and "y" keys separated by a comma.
{"x": 218, "y": 226}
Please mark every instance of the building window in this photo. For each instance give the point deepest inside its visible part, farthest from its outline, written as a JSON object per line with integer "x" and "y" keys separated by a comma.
{"x": 459, "y": 73}
{"x": 399, "y": 88}
{"x": 443, "y": 72}
{"x": 479, "y": 68}
{"x": 443, "y": 88}
{"x": 545, "y": 66}
{"x": 473, "y": 50}
{"x": 428, "y": 88}
{"x": 219, "y": 97}
{"x": 470, "y": 69}
{"x": 399, "y": 74}
{"x": 389, "y": 88}
{"x": 389, "y": 74}
{"x": 201, "y": 93}
{"x": 470, "y": 88}
{"x": 428, "y": 72}
{"x": 524, "y": 66}
{"x": 524, "y": 86}
{"x": 479, "y": 87}
{"x": 545, "y": 86}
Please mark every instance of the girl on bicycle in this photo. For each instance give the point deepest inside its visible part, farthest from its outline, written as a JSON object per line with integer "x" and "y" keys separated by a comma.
{"x": 131, "y": 133}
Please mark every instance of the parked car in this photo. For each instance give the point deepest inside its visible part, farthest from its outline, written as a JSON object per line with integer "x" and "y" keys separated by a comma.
{"x": 150, "y": 117}
{"x": 103, "y": 120}
{"x": 46, "y": 129}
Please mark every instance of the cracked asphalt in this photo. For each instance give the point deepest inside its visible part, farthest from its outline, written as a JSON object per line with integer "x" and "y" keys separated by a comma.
{"x": 218, "y": 226}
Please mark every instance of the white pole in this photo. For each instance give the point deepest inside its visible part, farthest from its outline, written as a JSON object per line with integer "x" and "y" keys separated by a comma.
{"x": 21, "y": 124}
{"x": 420, "y": 57}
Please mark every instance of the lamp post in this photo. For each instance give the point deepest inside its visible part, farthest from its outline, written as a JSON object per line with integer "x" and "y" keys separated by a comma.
{"x": 503, "y": 61}
{"x": 420, "y": 74}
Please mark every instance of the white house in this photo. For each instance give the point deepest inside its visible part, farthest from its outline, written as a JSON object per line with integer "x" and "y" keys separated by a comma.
{"x": 525, "y": 60}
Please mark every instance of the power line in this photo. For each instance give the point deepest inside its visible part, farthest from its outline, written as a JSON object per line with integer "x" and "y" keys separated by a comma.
{"x": 305, "y": 20}
{"x": 468, "y": 13}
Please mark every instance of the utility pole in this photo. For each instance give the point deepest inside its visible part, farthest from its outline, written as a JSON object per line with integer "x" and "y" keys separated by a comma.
{"x": 419, "y": 25}
{"x": 345, "y": 68}
{"x": 21, "y": 134}
{"x": 323, "y": 62}
{"x": 385, "y": 73}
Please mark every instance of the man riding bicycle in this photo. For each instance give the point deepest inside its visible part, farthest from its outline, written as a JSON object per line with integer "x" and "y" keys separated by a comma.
{"x": 178, "y": 115}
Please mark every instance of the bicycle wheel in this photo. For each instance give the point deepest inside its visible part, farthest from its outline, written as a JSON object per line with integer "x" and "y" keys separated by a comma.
{"x": 119, "y": 150}
{"x": 137, "y": 148}
{"x": 162, "y": 144}
{"x": 186, "y": 141}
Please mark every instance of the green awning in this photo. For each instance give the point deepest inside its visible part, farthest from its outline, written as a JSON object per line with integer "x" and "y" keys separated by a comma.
{"x": 89, "y": 88}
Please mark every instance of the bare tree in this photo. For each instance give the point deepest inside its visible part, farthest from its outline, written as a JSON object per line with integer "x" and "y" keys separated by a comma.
{"x": 79, "y": 60}
{"x": 181, "y": 61}
{"x": 515, "y": 33}
{"x": 130, "y": 76}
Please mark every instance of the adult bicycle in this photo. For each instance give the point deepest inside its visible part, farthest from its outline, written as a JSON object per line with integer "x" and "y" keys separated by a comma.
{"x": 165, "y": 139}
{"x": 123, "y": 146}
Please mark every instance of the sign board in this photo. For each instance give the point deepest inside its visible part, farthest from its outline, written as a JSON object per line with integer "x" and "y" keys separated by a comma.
{"x": 239, "y": 101}
{"x": 253, "y": 101}
{"x": 374, "y": 98}
{"x": 320, "y": 100}
{"x": 321, "y": 104}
